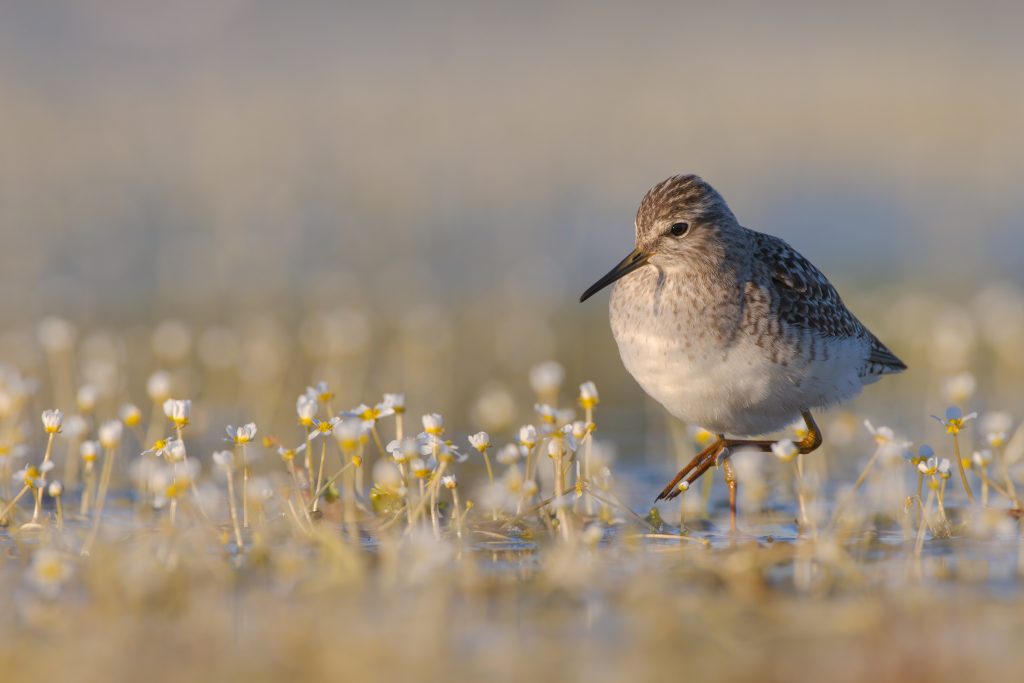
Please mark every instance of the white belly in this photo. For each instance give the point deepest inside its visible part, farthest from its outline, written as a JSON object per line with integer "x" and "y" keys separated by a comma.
{"x": 734, "y": 388}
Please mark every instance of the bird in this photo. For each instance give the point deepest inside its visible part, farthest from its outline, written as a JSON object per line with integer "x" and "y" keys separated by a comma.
{"x": 732, "y": 329}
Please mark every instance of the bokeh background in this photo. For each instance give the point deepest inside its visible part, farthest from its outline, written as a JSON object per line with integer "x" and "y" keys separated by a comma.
{"x": 411, "y": 196}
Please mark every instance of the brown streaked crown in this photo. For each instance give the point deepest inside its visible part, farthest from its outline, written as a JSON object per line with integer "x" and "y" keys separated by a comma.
{"x": 684, "y": 197}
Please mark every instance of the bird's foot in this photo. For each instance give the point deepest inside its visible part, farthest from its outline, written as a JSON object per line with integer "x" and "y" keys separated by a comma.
{"x": 701, "y": 463}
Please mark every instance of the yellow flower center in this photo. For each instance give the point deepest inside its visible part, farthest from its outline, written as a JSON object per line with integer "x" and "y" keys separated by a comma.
{"x": 52, "y": 571}
{"x": 31, "y": 474}
{"x": 703, "y": 436}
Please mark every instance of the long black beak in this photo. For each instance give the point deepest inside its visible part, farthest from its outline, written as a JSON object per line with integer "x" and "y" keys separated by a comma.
{"x": 626, "y": 266}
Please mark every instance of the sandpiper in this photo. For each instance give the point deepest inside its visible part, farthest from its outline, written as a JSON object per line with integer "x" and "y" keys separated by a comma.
{"x": 732, "y": 329}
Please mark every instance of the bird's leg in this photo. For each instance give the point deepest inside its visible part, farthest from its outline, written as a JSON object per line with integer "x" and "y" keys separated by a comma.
{"x": 730, "y": 481}
{"x": 812, "y": 439}
{"x": 723, "y": 448}
{"x": 698, "y": 464}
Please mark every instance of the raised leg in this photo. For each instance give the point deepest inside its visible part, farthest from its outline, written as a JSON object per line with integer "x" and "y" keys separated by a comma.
{"x": 722, "y": 447}
{"x": 710, "y": 452}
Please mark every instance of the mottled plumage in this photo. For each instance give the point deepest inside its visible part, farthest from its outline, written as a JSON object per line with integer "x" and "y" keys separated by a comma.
{"x": 729, "y": 328}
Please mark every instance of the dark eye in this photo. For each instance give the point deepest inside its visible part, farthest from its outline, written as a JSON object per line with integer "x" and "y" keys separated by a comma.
{"x": 679, "y": 229}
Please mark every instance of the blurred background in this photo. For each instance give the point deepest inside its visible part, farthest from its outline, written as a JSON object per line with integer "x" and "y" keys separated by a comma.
{"x": 411, "y": 196}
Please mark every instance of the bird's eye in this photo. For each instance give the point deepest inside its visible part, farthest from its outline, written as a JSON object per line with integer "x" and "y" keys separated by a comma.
{"x": 679, "y": 229}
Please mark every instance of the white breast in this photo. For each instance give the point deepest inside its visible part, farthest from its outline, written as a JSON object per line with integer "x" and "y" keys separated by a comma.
{"x": 697, "y": 362}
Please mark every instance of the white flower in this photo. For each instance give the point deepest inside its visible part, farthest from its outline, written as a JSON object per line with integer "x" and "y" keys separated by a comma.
{"x": 420, "y": 468}
{"x": 349, "y": 432}
{"x": 369, "y": 415}
{"x": 396, "y": 402}
{"x": 996, "y": 426}
{"x": 158, "y": 448}
{"x": 580, "y": 429}
{"x": 86, "y": 398}
{"x": 242, "y": 434}
{"x": 933, "y": 466}
{"x": 386, "y": 476}
{"x": 405, "y": 450}
{"x": 449, "y": 481}
{"x": 52, "y": 421}
{"x": 556, "y": 448}
{"x": 175, "y": 450}
{"x": 130, "y": 414}
{"x": 447, "y": 452}
{"x": 433, "y": 424}
{"x": 89, "y": 451}
{"x": 508, "y": 455}
{"x": 785, "y": 450}
{"x": 567, "y": 442}
{"x": 288, "y": 454}
{"x": 320, "y": 392}
{"x": 110, "y": 433}
{"x": 49, "y": 571}
{"x": 955, "y": 419}
{"x": 224, "y": 460}
{"x": 324, "y": 427}
{"x": 75, "y": 427}
{"x": 306, "y": 407}
{"x": 547, "y": 414}
{"x": 889, "y": 446}
{"x": 177, "y": 411}
{"x": 882, "y": 435}
{"x": 55, "y": 489}
{"x": 158, "y": 386}
{"x": 528, "y": 436}
{"x": 960, "y": 387}
{"x": 481, "y": 441}
{"x": 13, "y": 452}
{"x": 588, "y": 395}
{"x": 546, "y": 378}
{"x": 982, "y": 458}
{"x": 32, "y": 476}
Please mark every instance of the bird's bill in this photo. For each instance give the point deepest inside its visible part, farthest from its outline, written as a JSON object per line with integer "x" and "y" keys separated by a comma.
{"x": 636, "y": 259}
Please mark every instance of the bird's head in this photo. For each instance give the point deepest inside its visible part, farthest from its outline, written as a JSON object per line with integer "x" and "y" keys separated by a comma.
{"x": 678, "y": 218}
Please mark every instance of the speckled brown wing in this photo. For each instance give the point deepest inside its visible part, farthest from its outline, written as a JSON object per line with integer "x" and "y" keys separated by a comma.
{"x": 807, "y": 301}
